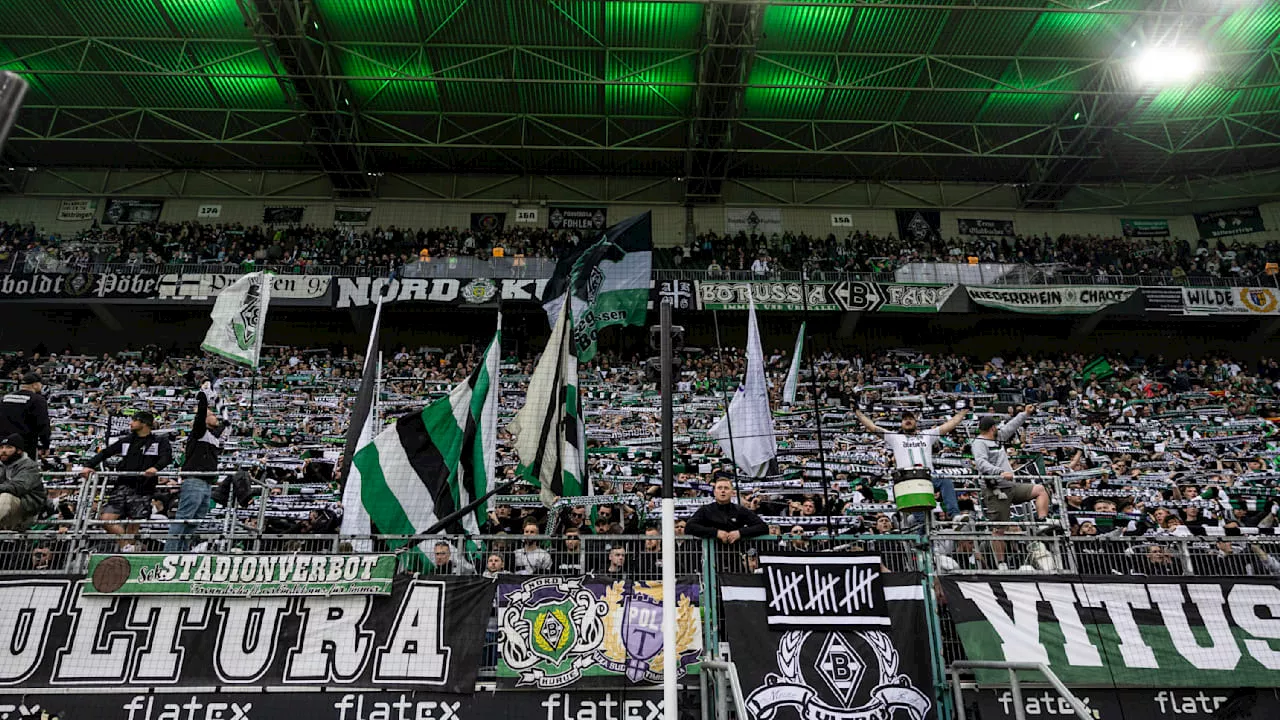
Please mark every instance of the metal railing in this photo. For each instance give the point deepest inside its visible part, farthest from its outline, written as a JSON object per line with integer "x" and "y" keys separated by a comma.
{"x": 1080, "y": 710}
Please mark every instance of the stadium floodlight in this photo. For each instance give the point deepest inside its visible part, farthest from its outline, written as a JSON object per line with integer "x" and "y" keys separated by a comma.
{"x": 1167, "y": 65}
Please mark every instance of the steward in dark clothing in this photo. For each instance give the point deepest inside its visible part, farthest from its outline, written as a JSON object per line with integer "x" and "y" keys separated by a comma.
{"x": 724, "y": 520}
{"x": 141, "y": 452}
{"x": 25, "y": 412}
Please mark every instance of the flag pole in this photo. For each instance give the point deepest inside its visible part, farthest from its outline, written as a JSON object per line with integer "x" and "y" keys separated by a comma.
{"x": 670, "y": 658}
{"x": 449, "y": 519}
{"x": 817, "y": 411}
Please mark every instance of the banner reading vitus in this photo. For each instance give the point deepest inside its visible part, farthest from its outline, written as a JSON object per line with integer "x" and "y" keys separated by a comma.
{"x": 561, "y": 631}
{"x": 823, "y": 673}
{"x": 425, "y": 634}
{"x": 1123, "y": 632}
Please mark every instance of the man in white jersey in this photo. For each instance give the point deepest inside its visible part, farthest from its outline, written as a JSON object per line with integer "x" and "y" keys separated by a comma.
{"x": 913, "y": 449}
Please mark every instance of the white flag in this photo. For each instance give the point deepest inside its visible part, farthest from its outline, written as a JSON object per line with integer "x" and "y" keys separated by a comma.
{"x": 239, "y": 317}
{"x": 793, "y": 376}
{"x": 749, "y": 421}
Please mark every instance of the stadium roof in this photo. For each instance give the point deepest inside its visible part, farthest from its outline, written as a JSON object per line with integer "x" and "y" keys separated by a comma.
{"x": 1035, "y": 92}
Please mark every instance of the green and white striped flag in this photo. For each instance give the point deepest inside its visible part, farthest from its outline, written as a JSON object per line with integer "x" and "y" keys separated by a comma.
{"x": 793, "y": 376}
{"x": 549, "y": 434}
{"x": 435, "y": 461}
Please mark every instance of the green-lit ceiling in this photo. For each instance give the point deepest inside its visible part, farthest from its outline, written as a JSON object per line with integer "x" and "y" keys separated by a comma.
{"x": 884, "y": 89}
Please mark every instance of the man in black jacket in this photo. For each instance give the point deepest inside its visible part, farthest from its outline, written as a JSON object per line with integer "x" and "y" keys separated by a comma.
{"x": 723, "y": 520}
{"x": 142, "y": 452}
{"x": 25, "y": 412}
{"x": 204, "y": 444}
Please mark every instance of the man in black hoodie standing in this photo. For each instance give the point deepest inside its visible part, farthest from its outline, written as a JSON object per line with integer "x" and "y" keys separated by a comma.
{"x": 142, "y": 452}
{"x": 724, "y": 520}
{"x": 25, "y": 412}
{"x": 204, "y": 444}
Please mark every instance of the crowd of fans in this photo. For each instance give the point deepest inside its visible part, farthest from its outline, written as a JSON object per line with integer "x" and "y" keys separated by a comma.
{"x": 762, "y": 255}
{"x": 1147, "y": 457}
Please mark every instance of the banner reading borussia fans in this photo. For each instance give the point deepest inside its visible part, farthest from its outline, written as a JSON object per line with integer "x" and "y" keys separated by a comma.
{"x": 427, "y": 634}
{"x": 875, "y": 671}
{"x": 607, "y": 281}
{"x": 239, "y": 575}
{"x": 1123, "y": 631}
{"x": 1054, "y": 300}
{"x": 561, "y": 631}
{"x": 846, "y": 295}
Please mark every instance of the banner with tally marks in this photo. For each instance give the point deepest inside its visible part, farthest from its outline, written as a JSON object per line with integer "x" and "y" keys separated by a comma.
{"x": 587, "y": 631}
{"x": 830, "y": 672}
{"x": 428, "y": 634}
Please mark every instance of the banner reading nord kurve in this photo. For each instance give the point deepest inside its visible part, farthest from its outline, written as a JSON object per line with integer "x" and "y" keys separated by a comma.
{"x": 427, "y": 634}
{"x": 1123, "y": 632}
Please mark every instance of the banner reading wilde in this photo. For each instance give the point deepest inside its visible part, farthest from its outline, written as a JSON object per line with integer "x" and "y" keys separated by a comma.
{"x": 1123, "y": 632}
{"x": 425, "y": 634}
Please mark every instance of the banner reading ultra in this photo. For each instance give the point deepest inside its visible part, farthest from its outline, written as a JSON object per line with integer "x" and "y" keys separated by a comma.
{"x": 1056, "y": 300}
{"x": 428, "y": 634}
{"x": 240, "y": 575}
{"x": 1123, "y": 631}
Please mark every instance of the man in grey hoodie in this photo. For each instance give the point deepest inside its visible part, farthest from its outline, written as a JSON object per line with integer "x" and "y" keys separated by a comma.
{"x": 991, "y": 460}
{"x": 22, "y": 493}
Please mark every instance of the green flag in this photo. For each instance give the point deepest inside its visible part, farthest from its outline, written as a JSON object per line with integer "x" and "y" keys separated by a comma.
{"x": 1099, "y": 369}
{"x": 608, "y": 280}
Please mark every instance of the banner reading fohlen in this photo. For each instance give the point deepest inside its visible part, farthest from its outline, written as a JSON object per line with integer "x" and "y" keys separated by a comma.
{"x": 1123, "y": 631}
{"x": 561, "y": 631}
{"x": 1066, "y": 300}
{"x": 239, "y": 317}
{"x": 240, "y": 575}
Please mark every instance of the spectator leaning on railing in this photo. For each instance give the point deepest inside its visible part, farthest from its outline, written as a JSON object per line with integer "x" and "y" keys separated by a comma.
{"x": 724, "y": 520}
{"x": 22, "y": 493}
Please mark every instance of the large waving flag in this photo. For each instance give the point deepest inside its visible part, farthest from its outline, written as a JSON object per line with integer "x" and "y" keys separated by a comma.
{"x": 793, "y": 375}
{"x": 239, "y": 317}
{"x": 746, "y": 433}
{"x": 608, "y": 279}
{"x": 435, "y": 461}
{"x": 548, "y": 430}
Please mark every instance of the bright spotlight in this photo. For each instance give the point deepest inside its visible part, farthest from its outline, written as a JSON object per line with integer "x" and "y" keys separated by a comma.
{"x": 1165, "y": 65}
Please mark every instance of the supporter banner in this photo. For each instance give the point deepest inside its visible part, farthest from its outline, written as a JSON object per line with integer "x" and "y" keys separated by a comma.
{"x": 841, "y": 220}
{"x": 918, "y": 298}
{"x": 337, "y": 704}
{"x": 760, "y": 221}
{"x": 1136, "y": 227}
{"x": 1230, "y": 301}
{"x": 919, "y": 225}
{"x": 18, "y": 286}
{"x": 578, "y": 218}
{"x": 527, "y": 216}
{"x": 425, "y": 634}
{"x": 1162, "y": 299}
{"x": 806, "y": 589}
{"x": 1226, "y": 223}
{"x": 1065, "y": 300}
{"x": 77, "y": 210}
{"x": 488, "y": 222}
{"x": 132, "y": 212}
{"x": 1125, "y": 631}
{"x": 847, "y": 296}
{"x": 359, "y": 292}
{"x": 561, "y": 631}
{"x": 352, "y": 215}
{"x": 986, "y": 228}
{"x": 240, "y": 575}
{"x": 1148, "y": 704}
{"x": 279, "y": 215}
{"x": 181, "y": 286}
{"x": 681, "y": 293}
{"x": 208, "y": 212}
{"x": 824, "y": 673}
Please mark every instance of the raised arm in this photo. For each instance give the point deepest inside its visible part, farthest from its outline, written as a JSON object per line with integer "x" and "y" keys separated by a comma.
{"x": 954, "y": 422}
{"x": 1010, "y": 428}
{"x": 867, "y": 423}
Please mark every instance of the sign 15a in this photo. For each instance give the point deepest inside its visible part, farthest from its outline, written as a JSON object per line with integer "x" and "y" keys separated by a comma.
{"x": 527, "y": 215}
{"x": 841, "y": 220}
